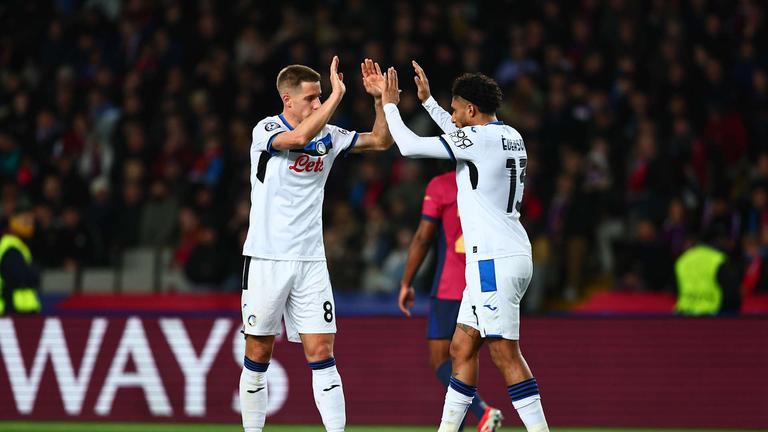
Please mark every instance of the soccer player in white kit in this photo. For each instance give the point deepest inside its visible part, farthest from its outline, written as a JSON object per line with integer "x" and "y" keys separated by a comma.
{"x": 285, "y": 273}
{"x": 490, "y": 175}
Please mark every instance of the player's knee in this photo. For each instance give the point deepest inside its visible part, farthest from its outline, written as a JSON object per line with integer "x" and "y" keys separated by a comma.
{"x": 258, "y": 350}
{"x": 504, "y": 354}
{"x": 318, "y": 351}
{"x": 461, "y": 353}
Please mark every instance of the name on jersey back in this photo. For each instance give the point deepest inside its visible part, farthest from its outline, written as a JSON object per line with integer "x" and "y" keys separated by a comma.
{"x": 513, "y": 145}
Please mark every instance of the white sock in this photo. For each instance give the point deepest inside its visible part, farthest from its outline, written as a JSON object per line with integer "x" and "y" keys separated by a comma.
{"x": 253, "y": 395}
{"x": 329, "y": 394}
{"x": 458, "y": 398}
{"x": 527, "y": 401}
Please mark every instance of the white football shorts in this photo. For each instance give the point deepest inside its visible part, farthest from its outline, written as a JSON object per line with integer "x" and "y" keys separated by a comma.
{"x": 297, "y": 291}
{"x": 491, "y": 299}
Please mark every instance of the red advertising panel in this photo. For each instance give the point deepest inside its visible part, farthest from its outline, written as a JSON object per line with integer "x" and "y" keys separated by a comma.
{"x": 632, "y": 372}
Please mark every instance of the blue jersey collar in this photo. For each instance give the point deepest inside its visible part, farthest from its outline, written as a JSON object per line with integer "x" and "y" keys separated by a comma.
{"x": 285, "y": 122}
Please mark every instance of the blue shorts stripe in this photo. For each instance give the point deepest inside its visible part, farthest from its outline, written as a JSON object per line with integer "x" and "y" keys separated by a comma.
{"x": 487, "y": 275}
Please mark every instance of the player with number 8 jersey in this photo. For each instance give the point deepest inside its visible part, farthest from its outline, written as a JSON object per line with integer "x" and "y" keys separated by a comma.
{"x": 285, "y": 275}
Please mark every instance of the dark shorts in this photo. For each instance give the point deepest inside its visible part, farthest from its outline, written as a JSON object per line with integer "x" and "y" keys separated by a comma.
{"x": 442, "y": 318}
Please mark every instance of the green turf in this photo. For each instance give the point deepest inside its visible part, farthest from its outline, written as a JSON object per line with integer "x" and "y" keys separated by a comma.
{"x": 189, "y": 427}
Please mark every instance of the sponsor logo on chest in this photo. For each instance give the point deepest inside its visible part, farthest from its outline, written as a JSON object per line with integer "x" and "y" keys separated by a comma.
{"x": 305, "y": 163}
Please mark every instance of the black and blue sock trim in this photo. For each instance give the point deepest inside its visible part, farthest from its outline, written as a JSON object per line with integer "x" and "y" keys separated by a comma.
{"x": 322, "y": 364}
{"x": 465, "y": 389}
{"x": 523, "y": 389}
{"x": 255, "y": 366}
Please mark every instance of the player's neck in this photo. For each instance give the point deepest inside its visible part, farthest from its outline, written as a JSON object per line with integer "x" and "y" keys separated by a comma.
{"x": 482, "y": 119}
{"x": 292, "y": 120}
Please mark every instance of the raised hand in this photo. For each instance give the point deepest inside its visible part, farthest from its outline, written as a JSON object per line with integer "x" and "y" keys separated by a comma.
{"x": 373, "y": 79}
{"x": 422, "y": 83}
{"x": 337, "y": 79}
{"x": 391, "y": 91}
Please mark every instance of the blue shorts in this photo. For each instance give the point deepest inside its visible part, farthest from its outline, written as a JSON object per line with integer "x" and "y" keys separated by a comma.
{"x": 442, "y": 318}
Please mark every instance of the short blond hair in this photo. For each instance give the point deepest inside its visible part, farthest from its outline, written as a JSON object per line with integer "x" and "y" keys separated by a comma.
{"x": 292, "y": 76}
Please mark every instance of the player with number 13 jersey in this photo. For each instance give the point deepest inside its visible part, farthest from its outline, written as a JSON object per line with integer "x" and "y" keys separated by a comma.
{"x": 491, "y": 164}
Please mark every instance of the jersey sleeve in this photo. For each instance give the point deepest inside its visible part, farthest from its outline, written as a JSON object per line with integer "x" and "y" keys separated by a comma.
{"x": 343, "y": 140}
{"x": 464, "y": 144}
{"x": 410, "y": 144}
{"x": 439, "y": 115}
{"x": 264, "y": 133}
{"x": 432, "y": 207}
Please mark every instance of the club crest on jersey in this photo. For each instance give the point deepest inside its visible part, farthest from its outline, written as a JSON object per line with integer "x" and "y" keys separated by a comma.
{"x": 304, "y": 163}
{"x": 271, "y": 126}
{"x": 460, "y": 139}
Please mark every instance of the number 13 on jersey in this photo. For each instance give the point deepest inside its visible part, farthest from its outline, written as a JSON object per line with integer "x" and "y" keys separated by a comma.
{"x": 515, "y": 199}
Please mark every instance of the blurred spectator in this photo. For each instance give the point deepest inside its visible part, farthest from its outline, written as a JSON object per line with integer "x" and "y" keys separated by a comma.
{"x": 129, "y": 215}
{"x": 643, "y": 262}
{"x": 100, "y": 220}
{"x": 206, "y": 267}
{"x": 158, "y": 216}
{"x": 20, "y": 277}
{"x": 674, "y": 232}
{"x": 709, "y": 278}
{"x": 189, "y": 236}
{"x": 644, "y": 125}
{"x": 74, "y": 242}
{"x": 755, "y": 278}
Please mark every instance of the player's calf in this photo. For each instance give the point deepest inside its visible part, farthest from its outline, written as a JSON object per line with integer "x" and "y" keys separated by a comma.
{"x": 253, "y": 394}
{"x": 458, "y": 397}
{"x": 329, "y": 394}
{"x": 522, "y": 387}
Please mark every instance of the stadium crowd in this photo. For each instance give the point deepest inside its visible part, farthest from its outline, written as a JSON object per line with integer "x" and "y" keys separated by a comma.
{"x": 126, "y": 124}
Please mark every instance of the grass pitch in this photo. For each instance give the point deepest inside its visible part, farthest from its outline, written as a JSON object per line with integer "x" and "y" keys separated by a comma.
{"x": 198, "y": 427}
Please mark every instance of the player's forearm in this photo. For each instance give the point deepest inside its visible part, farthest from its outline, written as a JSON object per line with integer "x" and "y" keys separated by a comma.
{"x": 310, "y": 127}
{"x": 439, "y": 115}
{"x": 410, "y": 144}
{"x": 416, "y": 253}
{"x": 380, "y": 130}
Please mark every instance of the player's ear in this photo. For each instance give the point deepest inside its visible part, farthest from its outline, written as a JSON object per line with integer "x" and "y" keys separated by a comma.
{"x": 286, "y": 100}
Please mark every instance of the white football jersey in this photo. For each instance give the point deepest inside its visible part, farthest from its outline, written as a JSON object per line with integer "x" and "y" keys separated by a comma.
{"x": 490, "y": 174}
{"x": 287, "y": 189}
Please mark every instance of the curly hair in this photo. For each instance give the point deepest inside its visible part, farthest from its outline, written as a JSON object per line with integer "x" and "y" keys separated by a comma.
{"x": 479, "y": 89}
